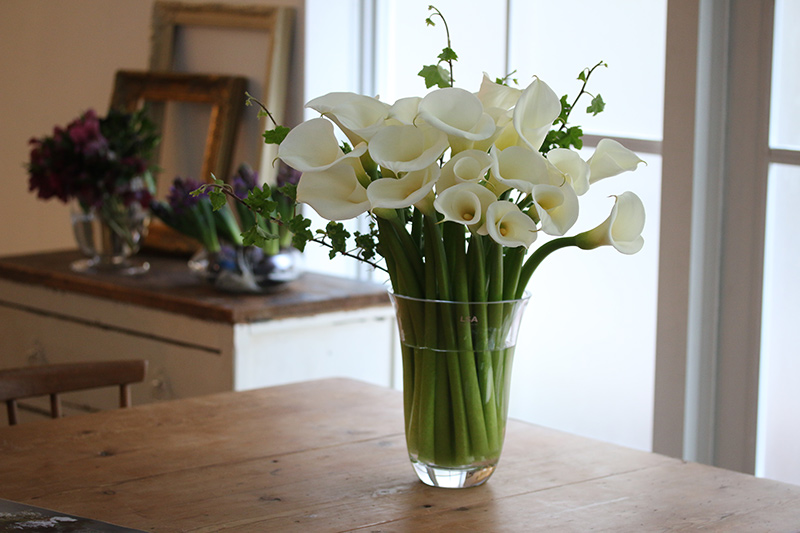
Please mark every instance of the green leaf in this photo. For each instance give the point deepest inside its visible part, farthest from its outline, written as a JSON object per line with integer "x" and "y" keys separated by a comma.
{"x": 597, "y": 106}
{"x": 582, "y": 75}
{"x": 435, "y": 75}
{"x": 448, "y": 54}
{"x": 218, "y": 199}
{"x": 257, "y": 236}
{"x": 566, "y": 109}
{"x": 429, "y": 21}
{"x": 276, "y": 136}
{"x": 338, "y": 236}
{"x": 301, "y": 234}
{"x": 290, "y": 191}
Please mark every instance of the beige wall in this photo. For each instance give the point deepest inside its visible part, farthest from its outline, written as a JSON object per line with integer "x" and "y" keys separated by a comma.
{"x": 59, "y": 59}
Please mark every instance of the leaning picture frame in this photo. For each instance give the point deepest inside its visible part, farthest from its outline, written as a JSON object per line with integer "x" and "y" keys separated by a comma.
{"x": 273, "y": 27}
{"x": 224, "y": 98}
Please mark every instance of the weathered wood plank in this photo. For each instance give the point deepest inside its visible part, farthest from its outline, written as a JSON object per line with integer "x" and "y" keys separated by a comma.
{"x": 330, "y": 456}
{"x": 169, "y": 286}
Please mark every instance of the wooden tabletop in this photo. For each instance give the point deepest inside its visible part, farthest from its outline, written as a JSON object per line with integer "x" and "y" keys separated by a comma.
{"x": 330, "y": 456}
{"x": 170, "y": 286}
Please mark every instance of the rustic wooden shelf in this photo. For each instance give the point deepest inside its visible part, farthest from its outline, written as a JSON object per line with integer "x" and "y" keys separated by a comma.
{"x": 170, "y": 286}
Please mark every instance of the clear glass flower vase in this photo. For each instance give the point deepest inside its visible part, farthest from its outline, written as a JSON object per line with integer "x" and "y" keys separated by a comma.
{"x": 109, "y": 236}
{"x": 457, "y": 360}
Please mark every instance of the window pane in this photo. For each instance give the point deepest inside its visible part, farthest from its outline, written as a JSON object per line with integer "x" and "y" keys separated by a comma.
{"x": 406, "y": 43}
{"x": 779, "y": 399}
{"x": 784, "y": 126}
{"x": 585, "y": 358}
{"x": 555, "y": 40}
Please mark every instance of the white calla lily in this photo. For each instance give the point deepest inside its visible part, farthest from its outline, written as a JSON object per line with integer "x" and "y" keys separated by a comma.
{"x": 537, "y": 108}
{"x": 611, "y": 158}
{"x": 459, "y": 114}
{"x": 495, "y": 95}
{"x": 405, "y": 148}
{"x": 358, "y": 116}
{"x": 622, "y": 229}
{"x": 405, "y": 110}
{"x": 336, "y": 192}
{"x": 557, "y": 207}
{"x": 574, "y": 169}
{"x": 466, "y": 166}
{"x": 465, "y": 203}
{"x": 413, "y": 188}
{"x": 509, "y": 226}
{"x": 519, "y": 167}
{"x": 313, "y": 147}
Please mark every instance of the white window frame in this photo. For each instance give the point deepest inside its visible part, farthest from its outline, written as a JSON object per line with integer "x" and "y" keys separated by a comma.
{"x": 716, "y": 156}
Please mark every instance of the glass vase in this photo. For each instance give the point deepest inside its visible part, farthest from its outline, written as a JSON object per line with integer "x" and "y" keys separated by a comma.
{"x": 247, "y": 269}
{"x": 457, "y": 360}
{"x": 109, "y": 236}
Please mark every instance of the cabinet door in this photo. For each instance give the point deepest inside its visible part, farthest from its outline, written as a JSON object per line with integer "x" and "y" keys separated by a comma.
{"x": 355, "y": 344}
{"x": 174, "y": 369}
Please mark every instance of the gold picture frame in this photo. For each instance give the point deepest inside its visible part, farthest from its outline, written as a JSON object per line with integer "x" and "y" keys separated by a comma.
{"x": 273, "y": 23}
{"x": 225, "y": 95}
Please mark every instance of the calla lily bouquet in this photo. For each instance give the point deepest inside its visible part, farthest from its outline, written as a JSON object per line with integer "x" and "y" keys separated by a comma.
{"x": 458, "y": 187}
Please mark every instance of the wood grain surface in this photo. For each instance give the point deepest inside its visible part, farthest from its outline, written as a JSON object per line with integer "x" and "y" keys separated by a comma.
{"x": 170, "y": 286}
{"x": 330, "y": 456}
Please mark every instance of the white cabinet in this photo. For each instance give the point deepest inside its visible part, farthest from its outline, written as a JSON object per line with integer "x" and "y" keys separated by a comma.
{"x": 197, "y": 340}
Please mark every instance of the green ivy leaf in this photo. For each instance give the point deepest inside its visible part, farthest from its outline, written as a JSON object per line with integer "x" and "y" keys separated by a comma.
{"x": 448, "y": 54}
{"x": 301, "y": 234}
{"x": 338, "y": 236}
{"x": 257, "y": 236}
{"x": 435, "y": 75}
{"x": 277, "y": 135}
{"x": 290, "y": 191}
{"x": 218, "y": 199}
{"x": 597, "y": 105}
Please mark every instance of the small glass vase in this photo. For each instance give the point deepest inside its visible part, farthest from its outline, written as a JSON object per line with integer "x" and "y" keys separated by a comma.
{"x": 109, "y": 236}
{"x": 247, "y": 269}
{"x": 457, "y": 359}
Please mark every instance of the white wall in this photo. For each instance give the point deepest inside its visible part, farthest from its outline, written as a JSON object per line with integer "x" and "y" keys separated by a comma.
{"x": 59, "y": 59}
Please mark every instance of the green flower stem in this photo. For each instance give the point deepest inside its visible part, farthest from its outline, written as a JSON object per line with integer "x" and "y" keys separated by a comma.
{"x": 408, "y": 245}
{"x": 477, "y": 333}
{"x": 513, "y": 265}
{"x": 537, "y": 257}
{"x": 462, "y": 342}
{"x": 429, "y": 431}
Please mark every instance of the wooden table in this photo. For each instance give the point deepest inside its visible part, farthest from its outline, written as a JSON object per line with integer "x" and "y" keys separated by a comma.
{"x": 330, "y": 456}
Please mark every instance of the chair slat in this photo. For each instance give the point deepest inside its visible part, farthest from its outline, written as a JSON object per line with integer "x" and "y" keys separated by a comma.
{"x": 52, "y": 380}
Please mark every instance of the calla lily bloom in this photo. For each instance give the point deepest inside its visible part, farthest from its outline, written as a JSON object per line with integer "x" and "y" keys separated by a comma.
{"x": 466, "y": 166}
{"x": 336, "y": 192}
{"x": 574, "y": 169}
{"x": 494, "y": 95}
{"x": 611, "y": 158}
{"x": 622, "y": 229}
{"x": 406, "y": 148}
{"x": 537, "y": 108}
{"x": 519, "y": 167}
{"x": 465, "y": 203}
{"x": 459, "y": 114}
{"x": 405, "y": 110}
{"x": 358, "y": 116}
{"x": 413, "y": 188}
{"x": 509, "y": 226}
{"x": 557, "y": 207}
{"x": 312, "y": 147}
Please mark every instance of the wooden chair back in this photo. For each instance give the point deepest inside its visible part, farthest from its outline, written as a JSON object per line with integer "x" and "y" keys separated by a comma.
{"x": 52, "y": 380}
